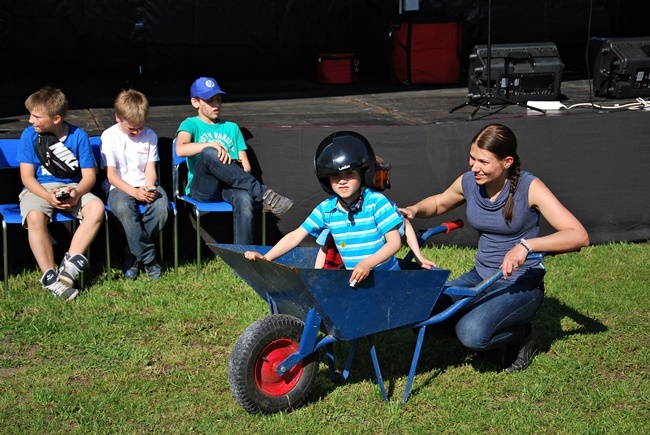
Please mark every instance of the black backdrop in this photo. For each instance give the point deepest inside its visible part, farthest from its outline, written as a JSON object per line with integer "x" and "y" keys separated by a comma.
{"x": 595, "y": 162}
{"x": 272, "y": 39}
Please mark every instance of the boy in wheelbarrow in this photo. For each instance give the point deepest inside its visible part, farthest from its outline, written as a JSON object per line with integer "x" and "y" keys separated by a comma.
{"x": 329, "y": 257}
{"x": 363, "y": 222}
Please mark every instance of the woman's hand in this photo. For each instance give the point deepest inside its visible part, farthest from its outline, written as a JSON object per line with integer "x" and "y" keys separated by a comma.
{"x": 513, "y": 259}
{"x": 408, "y": 212}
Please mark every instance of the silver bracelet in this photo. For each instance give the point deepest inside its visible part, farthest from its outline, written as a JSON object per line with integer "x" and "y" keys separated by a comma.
{"x": 525, "y": 244}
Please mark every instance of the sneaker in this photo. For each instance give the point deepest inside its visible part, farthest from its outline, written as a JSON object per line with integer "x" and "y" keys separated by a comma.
{"x": 50, "y": 281}
{"x": 275, "y": 203}
{"x": 153, "y": 270}
{"x": 520, "y": 353}
{"x": 71, "y": 267}
{"x": 131, "y": 267}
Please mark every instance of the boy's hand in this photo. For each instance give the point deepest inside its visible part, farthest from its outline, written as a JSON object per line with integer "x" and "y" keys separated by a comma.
{"x": 360, "y": 272}
{"x": 223, "y": 154}
{"x": 146, "y": 194}
{"x": 252, "y": 255}
{"x": 425, "y": 264}
{"x": 65, "y": 201}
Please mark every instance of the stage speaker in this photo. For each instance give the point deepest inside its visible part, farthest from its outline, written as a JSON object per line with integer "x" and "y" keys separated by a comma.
{"x": 518, "y": 72}
{"x": 622, "y": 68}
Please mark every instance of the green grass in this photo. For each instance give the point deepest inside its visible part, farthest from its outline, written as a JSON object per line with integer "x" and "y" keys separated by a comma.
{"x": 143, "y": 357}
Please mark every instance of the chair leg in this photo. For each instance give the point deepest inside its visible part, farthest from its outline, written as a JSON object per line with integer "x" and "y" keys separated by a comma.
{"x": 108, "y": 247}
{"x": 175, "y": 241}
{"x": 160, "y": 246}
{"x": 198, "y": 242}
{"x": 5, "y": 262}
{"x": 263, "y": 228}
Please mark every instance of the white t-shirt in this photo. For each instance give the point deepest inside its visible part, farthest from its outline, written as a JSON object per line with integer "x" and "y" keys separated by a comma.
{"x": 129, "y": 156}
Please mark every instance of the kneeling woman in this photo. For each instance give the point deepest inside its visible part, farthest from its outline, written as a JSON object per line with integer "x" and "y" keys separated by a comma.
{"x": 504, "y": 204}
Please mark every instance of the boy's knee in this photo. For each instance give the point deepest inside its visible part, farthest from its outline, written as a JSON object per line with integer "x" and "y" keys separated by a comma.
{"x": 210, "y": 153}
{"x": 161, "y": 211}
{"x": 243, "y": 199}
{"x": 93, "y": 210}
{"x": 36, "y": 219}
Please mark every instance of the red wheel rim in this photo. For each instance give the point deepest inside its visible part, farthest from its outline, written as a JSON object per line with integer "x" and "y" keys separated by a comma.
{"x": 266, "y": 375}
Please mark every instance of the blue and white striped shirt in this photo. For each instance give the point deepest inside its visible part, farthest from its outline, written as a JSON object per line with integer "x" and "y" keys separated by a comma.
{"x": 361, "y": 237}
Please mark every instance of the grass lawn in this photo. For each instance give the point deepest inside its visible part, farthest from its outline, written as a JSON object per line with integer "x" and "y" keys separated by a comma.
{"x": 152, "y": 357}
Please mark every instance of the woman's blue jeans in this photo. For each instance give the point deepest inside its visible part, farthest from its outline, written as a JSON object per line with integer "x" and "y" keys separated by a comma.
{"x": 140, "y": 229}
{"x": 502, "y": 316}
{"x": 213, "y": 181}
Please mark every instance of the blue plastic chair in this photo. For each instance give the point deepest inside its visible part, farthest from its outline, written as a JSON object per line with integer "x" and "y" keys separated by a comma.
{"x": 96, "y": 145}
{"x": 10, "y": 213}
{"x": 200, "y": 207}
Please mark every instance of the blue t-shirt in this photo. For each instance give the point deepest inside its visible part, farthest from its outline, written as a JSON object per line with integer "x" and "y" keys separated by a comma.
{"x": 496, "y": 236}
{"x": 77, "y": 142}
{"x": 225, "y": 133}
{"x": 361, "y": 237}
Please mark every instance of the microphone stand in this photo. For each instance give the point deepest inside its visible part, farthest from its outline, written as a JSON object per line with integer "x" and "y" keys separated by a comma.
{"x": 483, "y": 101}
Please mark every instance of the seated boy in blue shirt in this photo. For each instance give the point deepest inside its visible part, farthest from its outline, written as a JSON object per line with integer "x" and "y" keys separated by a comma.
{"x": 62, "y": 182}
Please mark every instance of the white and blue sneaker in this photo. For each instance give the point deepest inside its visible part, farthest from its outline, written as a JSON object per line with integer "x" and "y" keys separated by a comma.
{"x": 71, "y": 267}
{"x": 51, "y": 282}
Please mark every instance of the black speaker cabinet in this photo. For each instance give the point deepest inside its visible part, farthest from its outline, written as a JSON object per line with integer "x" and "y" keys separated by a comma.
{"x": 518, "y": 72}
{"x": 622, "y": 68}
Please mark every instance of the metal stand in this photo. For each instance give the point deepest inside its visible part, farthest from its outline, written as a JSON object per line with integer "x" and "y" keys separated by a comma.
{"x": 483, "y": 101}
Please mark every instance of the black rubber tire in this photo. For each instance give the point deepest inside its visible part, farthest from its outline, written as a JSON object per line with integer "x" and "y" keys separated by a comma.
{"x": 251, "y": 370}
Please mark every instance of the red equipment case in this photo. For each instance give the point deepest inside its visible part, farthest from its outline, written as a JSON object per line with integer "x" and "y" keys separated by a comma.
{"x": 338, "y": 68}
{"x": 425, "y": 51}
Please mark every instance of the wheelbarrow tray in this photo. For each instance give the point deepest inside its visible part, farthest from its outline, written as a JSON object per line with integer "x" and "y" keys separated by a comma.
{"x": 384, "y": 301}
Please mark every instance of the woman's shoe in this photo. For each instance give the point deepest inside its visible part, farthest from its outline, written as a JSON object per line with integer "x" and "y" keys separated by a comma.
{"x": 520, "y": 353}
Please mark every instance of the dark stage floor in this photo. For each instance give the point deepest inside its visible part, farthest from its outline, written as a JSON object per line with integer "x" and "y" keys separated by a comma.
{"x": 276, "y": 104}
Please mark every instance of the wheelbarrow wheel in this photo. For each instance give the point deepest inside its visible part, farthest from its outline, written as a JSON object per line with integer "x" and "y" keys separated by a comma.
{"x": 252, "y": 374}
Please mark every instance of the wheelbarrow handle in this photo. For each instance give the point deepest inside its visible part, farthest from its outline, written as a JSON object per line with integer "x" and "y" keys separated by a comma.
{"x": 480, "y": 288}
{"x": 444, "y": 227}
{"x": 470, "y": 293}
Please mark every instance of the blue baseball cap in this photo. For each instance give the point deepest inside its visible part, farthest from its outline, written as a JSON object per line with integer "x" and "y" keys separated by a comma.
{"x": 205, "y": 88}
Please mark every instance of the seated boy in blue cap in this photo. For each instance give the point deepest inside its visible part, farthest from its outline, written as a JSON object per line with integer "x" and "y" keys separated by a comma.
{"x": 217, "y": 162}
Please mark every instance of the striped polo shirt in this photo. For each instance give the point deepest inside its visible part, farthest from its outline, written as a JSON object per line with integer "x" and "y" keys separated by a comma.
{"x": 361, "y": 237}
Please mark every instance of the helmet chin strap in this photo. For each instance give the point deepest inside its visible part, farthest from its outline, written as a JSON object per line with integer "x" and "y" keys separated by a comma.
{"x": 354, "y": 206}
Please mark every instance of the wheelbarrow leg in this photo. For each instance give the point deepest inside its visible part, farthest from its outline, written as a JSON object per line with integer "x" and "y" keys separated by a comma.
{"x": 329, "y": 353}
{"x": 307, "y": 343}
{"x": 414, "y": 363}
{"x": 375, "y": 363}
{"x": 348, "y": 362}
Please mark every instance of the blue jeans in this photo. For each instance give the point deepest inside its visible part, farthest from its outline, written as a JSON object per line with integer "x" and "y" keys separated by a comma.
{"x": 140, "y": 229}
{"x": 213, "y": 181}
{"x": 502, "y": 316}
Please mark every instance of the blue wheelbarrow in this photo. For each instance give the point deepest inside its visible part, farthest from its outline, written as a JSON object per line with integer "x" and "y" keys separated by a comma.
{"x": 275, "y": 360}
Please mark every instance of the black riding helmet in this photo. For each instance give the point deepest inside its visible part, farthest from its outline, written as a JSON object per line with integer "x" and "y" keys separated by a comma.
{"x": 344, "y": 151}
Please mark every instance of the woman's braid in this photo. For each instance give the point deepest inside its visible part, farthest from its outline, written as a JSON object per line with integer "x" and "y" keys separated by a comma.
{"x": 509, "y": 207}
